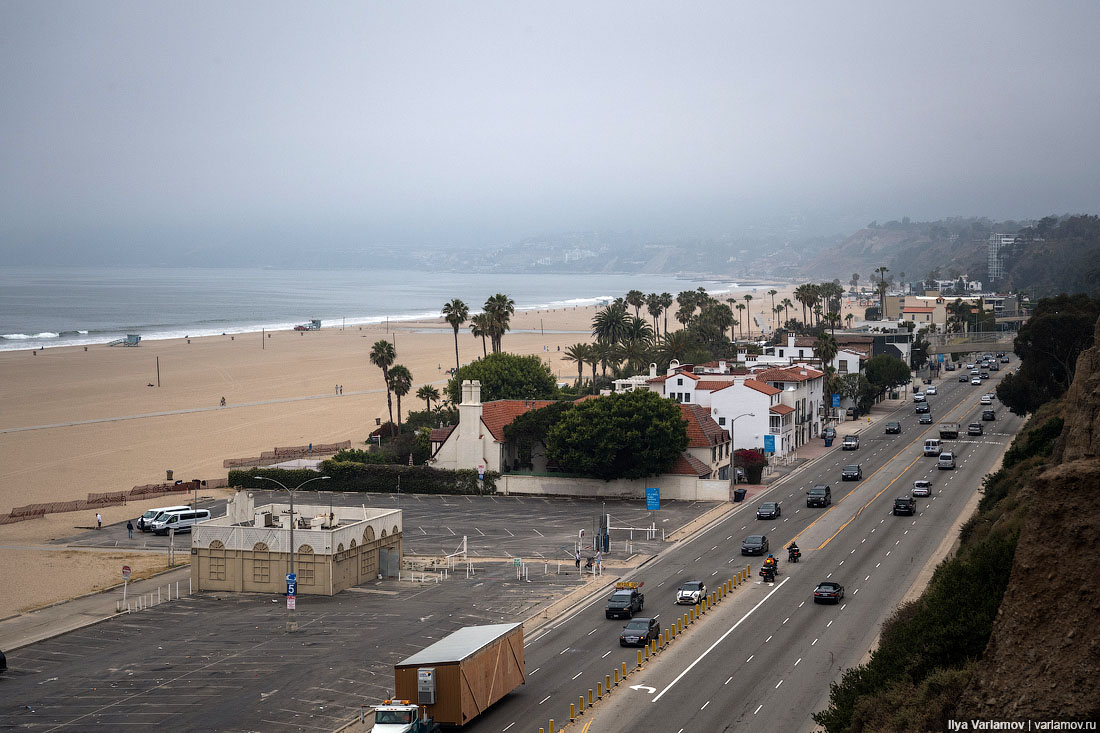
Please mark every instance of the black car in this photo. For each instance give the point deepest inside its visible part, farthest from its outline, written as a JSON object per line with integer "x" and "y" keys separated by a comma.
{"x": 904, "y": 505}
{"x": 639, "y": 632}
{"x": 1004, "y": 359}
{"x": 769, "y": 510}
{"x": 989, "y": 415}
{"x": 963, "y": 377}
{"x": 925, "y": 419}
{"x": 828, "y": 592}
{"x": 922, "y": 407}
{"x": 984, "y": 375}
{"x": 754, "y": 544}
{"x": 852, "y": 473}
{"x": 893, "y": 427}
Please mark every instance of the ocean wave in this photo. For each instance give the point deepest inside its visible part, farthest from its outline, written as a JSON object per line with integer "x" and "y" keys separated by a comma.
{"x": 27, "y": 336}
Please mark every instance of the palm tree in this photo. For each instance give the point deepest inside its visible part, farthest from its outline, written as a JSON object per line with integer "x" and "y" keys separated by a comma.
{"x": 610, "y": 324}
{"x": 666, "y": 303}
{"x": 882, "y": 287}
{"x": 687, "y": 301}
{"x": 480, "y": 326}
{"x": 825, "y": 348}
{"x": 637, "y": 330}
{"x": 848, "y": 320}
{"x": 676, "y": 345}
{"x": 833, "y": 319}
{"x": 654, "y": 307}
{"x": 774, "y": 293}
{"x": 382, "y": 355}
{"x": 429, "y": 394}
{"x": 741, "y": 318}
{"x": 500, "y": 309}
{"x": 804, "y": 296}
{"x": 748, "y": 311}
{"x": 636, "y": 299}
{"x": 579, "y": 353}
{"x": 786, "y": 303}
{"x": 455, "y": 313}
{"x": 776, "y": 311}
{"x": 401, "y": 380}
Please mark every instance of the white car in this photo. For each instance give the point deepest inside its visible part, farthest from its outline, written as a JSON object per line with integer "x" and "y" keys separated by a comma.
{"x": 691, "y": 592}
{"x": 922, "y": 487}
{"x": 976, "y": 380}
{"x": 985, "y": 400}
{"x": 930, "y": 391}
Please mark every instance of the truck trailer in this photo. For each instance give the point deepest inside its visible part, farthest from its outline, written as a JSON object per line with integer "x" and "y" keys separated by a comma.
{"x": 949, "y": 430}
{"x": 457, "y": 678}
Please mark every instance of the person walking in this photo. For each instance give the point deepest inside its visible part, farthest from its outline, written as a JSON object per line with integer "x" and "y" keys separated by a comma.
{"x": 98, "y": 520}
{"x": 130, "y": 528}
{"x": 577, "y": 557}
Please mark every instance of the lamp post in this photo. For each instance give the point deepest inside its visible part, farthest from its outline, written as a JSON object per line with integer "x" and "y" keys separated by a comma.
{"x": 733, "y": 452}
{"x": 291, "y": 622}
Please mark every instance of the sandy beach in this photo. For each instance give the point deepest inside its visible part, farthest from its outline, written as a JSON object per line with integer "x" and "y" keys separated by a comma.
{"x": 77, "y": 421}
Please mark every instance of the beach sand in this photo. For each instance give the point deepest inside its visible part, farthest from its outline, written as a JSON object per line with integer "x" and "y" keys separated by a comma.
{"x": 98, "y": 427}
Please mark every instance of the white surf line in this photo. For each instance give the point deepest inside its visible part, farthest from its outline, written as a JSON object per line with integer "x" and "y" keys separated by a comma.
{"x": 719, "y": 640}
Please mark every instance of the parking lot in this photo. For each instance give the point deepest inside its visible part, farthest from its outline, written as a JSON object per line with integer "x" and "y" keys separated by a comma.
{"x": 224, "y": 661}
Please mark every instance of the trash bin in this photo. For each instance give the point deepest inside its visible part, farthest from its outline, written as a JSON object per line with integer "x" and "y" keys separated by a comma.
{"x": 738, "y": 494}
{"x": 828, "y": 442}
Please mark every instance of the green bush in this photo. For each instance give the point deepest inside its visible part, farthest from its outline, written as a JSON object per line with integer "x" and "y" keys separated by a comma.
{"x": 382, "y": 479}
{"x": 1038, "y": 441}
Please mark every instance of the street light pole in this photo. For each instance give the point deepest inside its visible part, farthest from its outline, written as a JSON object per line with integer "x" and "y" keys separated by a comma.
{"x": 292, "y": 621}
{"x": 733, "y": 452}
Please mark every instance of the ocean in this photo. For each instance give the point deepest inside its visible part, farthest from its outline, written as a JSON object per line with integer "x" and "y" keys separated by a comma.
{"x": 50, "y": 307}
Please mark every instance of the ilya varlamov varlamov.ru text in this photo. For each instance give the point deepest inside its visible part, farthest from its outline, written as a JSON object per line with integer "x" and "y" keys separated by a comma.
{"x": 954, "y": 725}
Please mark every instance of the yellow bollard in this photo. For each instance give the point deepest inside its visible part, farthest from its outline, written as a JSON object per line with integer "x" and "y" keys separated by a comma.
{"x": 607, "y": 683}
{"x": 542, "y": 730}
{"x": 666, "y": 637}
{"x": 680, "y": 623}
{"x": 551, "y": 725}
{"x": 617, "y": 675}
{"x": 599, "y": 690}
{"x": 580, "y": 708}
{"x": 624, "y": 670}
{"x": 572, "y": 711}
{"x": 639, "y": 657}
{"x": 647, "y": 652}
{"x": 590, "y": 696}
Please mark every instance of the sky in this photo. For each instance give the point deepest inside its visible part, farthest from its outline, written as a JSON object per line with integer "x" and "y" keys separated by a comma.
{"x": 127, "y": 128}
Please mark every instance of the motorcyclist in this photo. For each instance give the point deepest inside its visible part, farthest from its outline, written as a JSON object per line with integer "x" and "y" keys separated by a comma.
{"x": 768, "y": 573}
{"x": 793, "y": 553}
{"x": 772, "y": 563}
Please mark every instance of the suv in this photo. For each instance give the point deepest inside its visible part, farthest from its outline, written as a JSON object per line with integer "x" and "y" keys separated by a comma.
{"x": 931, "y": 390}
{"x": 754, "y": 544}
{"x": 691, "y": 592}
{"x": 828, "y": 433}
{"x": 922, "y": 487}
{"x": 851, "y": 442}
{"x": 852, "y": 473}
{"x": 904, "y": 505}
{"x": 946, "y": 461}
{"x": 989, "y": 415}
{"x": 626, "y": 601}
{"x": 820, "y": 495}
{"x": 921, "y": 407}
{"x": 918, "y": 397}
{"x": 963, "y": 377}
{"x": 974, "y": 428}
{"x": 893, "y": 427}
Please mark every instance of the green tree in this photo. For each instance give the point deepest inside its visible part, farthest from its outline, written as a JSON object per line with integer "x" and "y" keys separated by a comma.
{"x": 748, "y": 311}
{"x": 773, "y": 293}
{"x": 505, "y": 376}
{"x": 610, "y": 324}
{"x": 481, "y": 326}
{"x": 382, "y": 355}
{"x": 654, "y": 308}
{"x": 579, "y": 353}
{"x": 637, "y": 300}
{"x": 531, "y": 428}
{"x": 400, "y": 382}
{"x": 500, "y": 309}
{"x": 886, "y": 371}
{"x": 826, "y": 349}
{"x": 666, "y": 303}
{"x": 455, "y": 313}
{"x": 624, "y": 435}
{"x": 429, "y": 394}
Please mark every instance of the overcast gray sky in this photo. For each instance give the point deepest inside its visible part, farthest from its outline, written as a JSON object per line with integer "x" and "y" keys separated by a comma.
{"x": 134, "y": 125}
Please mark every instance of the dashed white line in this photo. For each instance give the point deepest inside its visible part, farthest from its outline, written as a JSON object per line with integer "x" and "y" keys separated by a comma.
{"x": 777, "y": 684}
{"x": 702, "y": 708}
{"x": 800, "y": 605}
{"x": 593, "y": 631}
{"x": 784, "y": 620}
{"x": 750, "y": 658}
{"x": 754, "y": 712}
{"x": 813, "y": 642}
{"x": 765, "y": 640}
{"x": 604, "y": 654}
{"x": 864, "y": 580}
{"x": 826, "y": 626}
{"x": 507, "y": 726}
{"x": 544, "y": 700}
{"x": 877, "y": 564}
{"x": 578, "y": 674}
{"x": 799, "y": 660}
{"x": 728, "y": 681}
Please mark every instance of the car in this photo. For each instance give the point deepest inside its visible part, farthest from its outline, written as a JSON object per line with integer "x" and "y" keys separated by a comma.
{"x": 921, "y": 407}
{"x": 691, "y": 592}
{"x": 819, "y": 495}
{"x": 963, "y": 377}
{"x": 626, "y": 601}
{"x": 975, "y": 380}
{"x": 769, "y": 510}
{"x": 754, "y": 544}
{"x": 988, "y": 414}
{"x": 925, "y": 419}
{"x": 931, "y": 391}
{"x": 904, "y": 505}
{"x": 828, "y": 433}
{"x": 946, "y": 461}
{"x": 853, "y": 472}
{"x": 993, "y": 367}
{"x": 893, "y": 427}
{"x": 991, "y": 395}
{"x": 851, "y": 442}
{"x": 984, "y": 375}
{"x": 974, "y": 428}
{"x": 922, "y": 487}
{"x": 986, "y": 400}
{"x": 828, "y": 592}
{"x": 970, "y": 365}
{"x": 919, "y": 397}
{"x": 639, "y": 632}
{"x": 740, "y": 474}
{"x": 949, "y": 367}
{"x": 1004, "y": 359}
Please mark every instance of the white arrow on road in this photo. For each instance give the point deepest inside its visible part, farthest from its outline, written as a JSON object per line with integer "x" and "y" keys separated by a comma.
{"x": 647, "y": 688}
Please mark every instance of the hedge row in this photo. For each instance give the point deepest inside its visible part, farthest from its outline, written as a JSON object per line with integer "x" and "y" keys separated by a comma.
{"x": 375, "y": 478}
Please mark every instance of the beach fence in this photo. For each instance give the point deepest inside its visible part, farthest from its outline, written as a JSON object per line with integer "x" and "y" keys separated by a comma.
{"x": 290, "y": 453}
{"x": 151, "y": 598}
{"x": 106, "y": 498}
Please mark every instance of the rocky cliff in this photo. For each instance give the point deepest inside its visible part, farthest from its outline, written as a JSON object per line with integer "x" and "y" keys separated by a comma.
{"x": 1043, "y": 658}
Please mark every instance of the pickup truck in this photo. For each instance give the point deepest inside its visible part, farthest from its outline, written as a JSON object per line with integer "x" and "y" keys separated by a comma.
{"x": 949, "y": 430}
{"x": 626, "y": 601}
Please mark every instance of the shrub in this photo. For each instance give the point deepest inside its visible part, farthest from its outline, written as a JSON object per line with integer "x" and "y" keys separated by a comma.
{"x": 383, "y": 479}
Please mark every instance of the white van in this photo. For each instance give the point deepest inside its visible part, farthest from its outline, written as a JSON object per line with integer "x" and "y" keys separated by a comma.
{"x": 932, "y": 447}
{"x": 180, "y": 521}
{"x": 145, "y": 521}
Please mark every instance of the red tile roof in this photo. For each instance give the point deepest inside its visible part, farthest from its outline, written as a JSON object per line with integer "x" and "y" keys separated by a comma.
{"x": 702, "y": 431}
{"x": 499, "y": 413}
{"x": 689, "y": 465}
{"x": 440, "y": 435}
{"x": 788, "y": 374}
{"x": 713, "y": 385}
{"x": 781, "y": 409}
{"x": 761, "y": 387}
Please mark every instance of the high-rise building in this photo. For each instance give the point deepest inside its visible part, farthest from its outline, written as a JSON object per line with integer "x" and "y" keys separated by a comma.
{"x": 997, "y": 248}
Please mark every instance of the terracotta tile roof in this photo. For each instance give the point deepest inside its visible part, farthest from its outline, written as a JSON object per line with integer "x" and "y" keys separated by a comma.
{"x": 702, "y": 431}
{"x": 781, "y": 409}
{"x": 499, "y": 413}
{"x": 761, "y": 387}
{"x": 440, "y": 435}
{"x": 714, "y": 385}
{"x": 788, "y": 374}
{"x": 689, "y": 465}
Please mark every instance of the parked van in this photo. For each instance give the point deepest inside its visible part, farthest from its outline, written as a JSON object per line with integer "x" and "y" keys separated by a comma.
{"x": 932, "y": 446}
{"x": 145, "y": 521}
{"x": 946, "y": 460}
{"x": 180, "y": 521}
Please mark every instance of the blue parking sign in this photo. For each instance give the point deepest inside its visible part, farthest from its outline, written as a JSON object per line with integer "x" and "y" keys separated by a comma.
{"x": 769, "y": 444}
{"x": 292, "y": 584}
{"x": 652, "y": 499}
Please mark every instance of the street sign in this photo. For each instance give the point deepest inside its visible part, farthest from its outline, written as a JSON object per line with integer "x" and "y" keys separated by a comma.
{"x": 516, "y": 562}
{"x": 481, "y": 473}
{"x": 290, "y": 603}
{"x": 291, "y": 585}
{"x": 836, "y": 400}
{"x": 769, "y": 444}
{"x": 125, "y": 572}
{"x": 652, "y": 498}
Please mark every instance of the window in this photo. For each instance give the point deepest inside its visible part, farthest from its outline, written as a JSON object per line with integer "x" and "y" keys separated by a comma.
{"x": 679, "y": 381}
{"x": 261, "y": 564}
{"x": 722, "y": 421}
{"x": 217, "y": 561}
{"x": 306, "y": 565}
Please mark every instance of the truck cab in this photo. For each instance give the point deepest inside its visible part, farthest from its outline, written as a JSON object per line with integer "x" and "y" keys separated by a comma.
{"x": 399, "y": 716}
{"x": 626, "y": 601}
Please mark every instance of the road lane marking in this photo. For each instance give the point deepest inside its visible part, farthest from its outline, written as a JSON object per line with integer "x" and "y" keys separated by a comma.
{"x": 876, "y": 496}
{"x": 705, "y": 705}
{"x": 750, "y": 658}
{"x": 544, "y": 700}
{"x": 728, "y": 681}
{"x": 777, "y": 684}
{"x": 826, "y": 626}
{"x": 767, "y": 640}
{"x": 578, "y": 674}
{"x": 799, "y": 660}
{"x": 720, "y": 639}
{"x": 754, "y": 712}
{"x": 786, "y": 620}
{"x": 813, "y": 642}
{"x": 605, "y": 653}
{"x": 508, "y": 726}
{"x": 867, "y": 578}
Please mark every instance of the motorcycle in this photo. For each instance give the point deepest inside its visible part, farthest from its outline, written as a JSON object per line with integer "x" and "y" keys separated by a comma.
{"x": 768, "y": 574}
{"x": 793, "y": 555}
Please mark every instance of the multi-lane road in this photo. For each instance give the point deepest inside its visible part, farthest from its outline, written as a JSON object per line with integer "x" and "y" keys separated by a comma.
{"x": 763, "y": 659}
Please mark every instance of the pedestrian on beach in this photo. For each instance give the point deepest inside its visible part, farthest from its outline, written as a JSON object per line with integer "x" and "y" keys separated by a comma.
{"x": 130, "y": 528}
{"x": 338, "y": 389}
{"x": 98, "y": 520}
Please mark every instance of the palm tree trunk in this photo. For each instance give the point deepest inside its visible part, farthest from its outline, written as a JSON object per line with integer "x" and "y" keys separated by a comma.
{"x": 389, "y": 397}
{"x": 399, "y": 413}
{"x": 484, "y": 350}
{"x": 456, "y": 357}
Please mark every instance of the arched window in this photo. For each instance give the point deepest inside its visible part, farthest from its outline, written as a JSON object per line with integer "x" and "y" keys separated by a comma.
{"x": 216, "y": 569}
{"x": 261, "y": 563}
{"x": 368, "y": 534}
{"x": 306, "y": 565}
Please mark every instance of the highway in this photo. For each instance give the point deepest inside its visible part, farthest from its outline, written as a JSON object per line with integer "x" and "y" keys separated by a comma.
{"x": 764, "y": 658}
